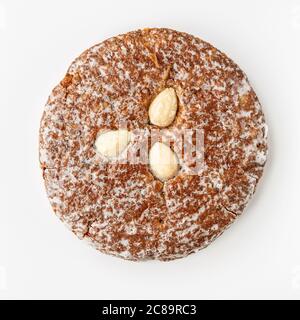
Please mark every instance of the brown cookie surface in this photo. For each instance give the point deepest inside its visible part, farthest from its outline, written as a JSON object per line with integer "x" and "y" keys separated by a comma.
{"x": 123, "y": 209}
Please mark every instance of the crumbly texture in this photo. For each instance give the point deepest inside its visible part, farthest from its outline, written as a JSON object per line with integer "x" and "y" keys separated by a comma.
{"x": 122, "y": 209}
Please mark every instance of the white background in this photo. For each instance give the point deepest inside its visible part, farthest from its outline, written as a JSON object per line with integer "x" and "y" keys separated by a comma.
{"x": 259, "y": 257}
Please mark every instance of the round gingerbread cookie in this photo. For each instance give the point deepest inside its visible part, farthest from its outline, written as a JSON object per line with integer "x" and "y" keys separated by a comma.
{"x": 114, "y": 96}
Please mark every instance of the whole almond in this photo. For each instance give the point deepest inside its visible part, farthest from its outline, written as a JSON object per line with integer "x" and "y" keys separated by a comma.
{"x": 112, "y": 143}
{"x": 163, "y": 108}
{"x": 163, "y": 161}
